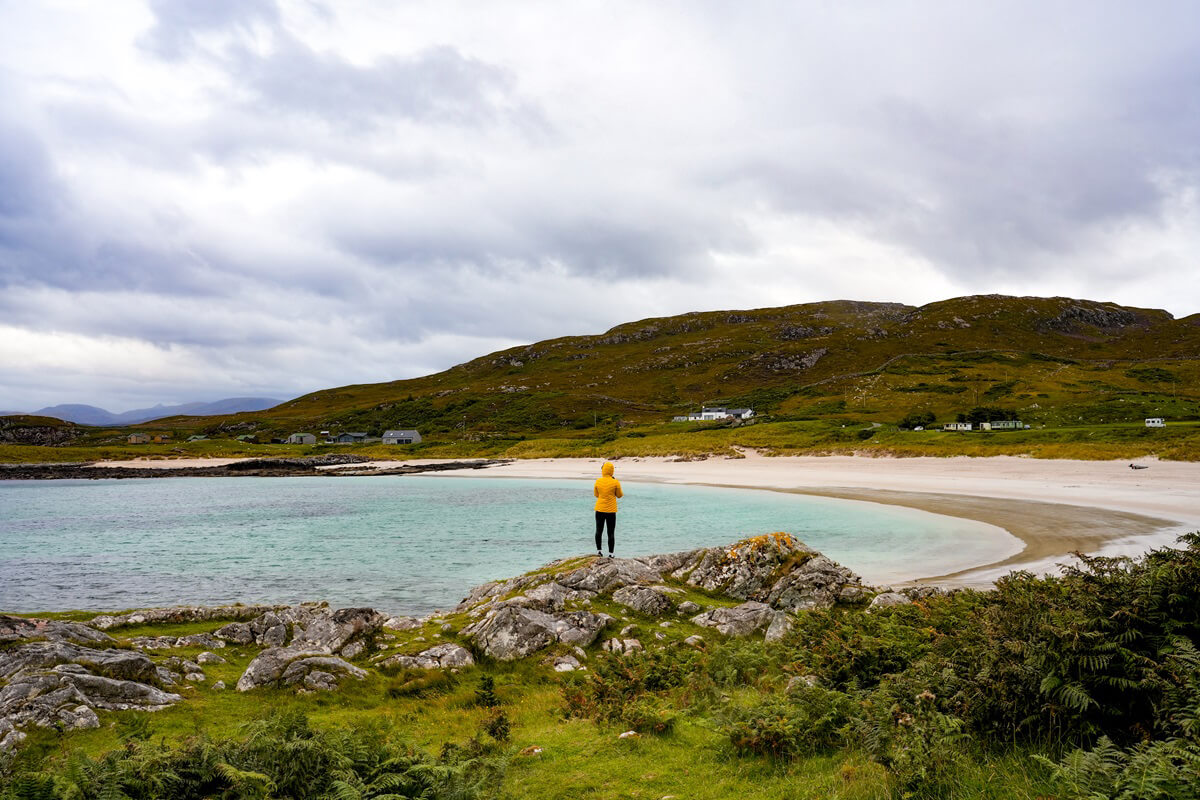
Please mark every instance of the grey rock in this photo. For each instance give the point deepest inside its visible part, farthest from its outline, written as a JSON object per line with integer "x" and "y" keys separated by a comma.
{"x": 889, "y": 600}
{"x": 780, "y": 624}
{"x": 274, "y": 636}
{"x": 799, "y": 681}
{"x": 179, "y": 614}
{"x": 121, "y": 664}
{"x": 773, "y": 569}
{"x": 219, "y": 685}
{"x": 509, "y": 632}
{"x": 209, "y": 658}
{"x": 402, "y": 623}
{"x": 688, "y": 607}
{"x": 354, "y": 649}
{"x": 442, "y": 656}
{"x": 603, "y": 575}
{"x": 153, "y": 642}
{"x": 23, "y": 629}
{"x": 326, "y": 668}
{"x": 236, "y": 632}
{"x": 268, "y": 666}
{"x": 628, "y": 629}
{"x": 195, "y": 677}
{"x": 565, "y": 664}
{"x": 334, "y": 630}
{"x": 621, "y": 647}
{"x": 166, "y": 677}
{"x": 200, "y": 640}
{"x": 320, "y": 681}
{"x": 741, "y": 620}
{"x": 647, "y": 600}
{"x": 550, "y": 597}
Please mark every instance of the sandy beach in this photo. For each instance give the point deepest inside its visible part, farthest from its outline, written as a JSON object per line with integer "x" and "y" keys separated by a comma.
{"x": 1053, "y": 507}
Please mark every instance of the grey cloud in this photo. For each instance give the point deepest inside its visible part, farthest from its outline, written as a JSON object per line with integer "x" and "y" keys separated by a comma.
{"x": 178, "y": 23}
{"x": 436, "y": 85}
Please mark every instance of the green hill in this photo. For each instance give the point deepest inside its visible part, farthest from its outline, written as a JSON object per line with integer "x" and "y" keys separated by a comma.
{"x": 1055, "y": 360}
{"x": 807, "y": 370}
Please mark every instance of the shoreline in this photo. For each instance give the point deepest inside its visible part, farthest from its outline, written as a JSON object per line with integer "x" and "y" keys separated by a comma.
{"x": 1053, "y": 507}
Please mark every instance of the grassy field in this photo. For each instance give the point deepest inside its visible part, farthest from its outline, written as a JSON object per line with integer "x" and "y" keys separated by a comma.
{"x": 580, "y": 758}
{"x": 1178, "y": 441}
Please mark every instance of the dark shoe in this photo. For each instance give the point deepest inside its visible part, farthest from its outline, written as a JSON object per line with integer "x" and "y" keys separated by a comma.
{"x": 599, "y": 554}
{"x": 610, "y": 555}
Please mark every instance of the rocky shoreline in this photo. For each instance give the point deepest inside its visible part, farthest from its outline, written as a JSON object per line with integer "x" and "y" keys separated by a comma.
{"x": 59, "y": 674}
{"x": 258, "y": 468}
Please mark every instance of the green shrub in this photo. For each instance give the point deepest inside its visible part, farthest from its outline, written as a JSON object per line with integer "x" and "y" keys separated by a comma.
{"x": 808, "y": 721}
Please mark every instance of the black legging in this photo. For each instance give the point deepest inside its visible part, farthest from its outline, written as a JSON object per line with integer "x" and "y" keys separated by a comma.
{"x": 608, "y": 518}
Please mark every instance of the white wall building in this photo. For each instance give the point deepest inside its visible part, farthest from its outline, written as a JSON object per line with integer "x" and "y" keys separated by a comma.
{"x": 1156, "y": 422}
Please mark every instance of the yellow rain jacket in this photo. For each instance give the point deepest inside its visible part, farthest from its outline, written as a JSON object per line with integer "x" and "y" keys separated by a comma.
{"x": 608, "y": 489}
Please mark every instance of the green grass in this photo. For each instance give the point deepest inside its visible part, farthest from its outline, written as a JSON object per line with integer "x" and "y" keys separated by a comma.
{"x": 580, "y": 758}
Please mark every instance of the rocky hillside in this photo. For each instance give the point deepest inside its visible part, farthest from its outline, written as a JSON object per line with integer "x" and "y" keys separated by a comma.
{"x": 1051, "y": 359}
{"x": 64, "y": 674}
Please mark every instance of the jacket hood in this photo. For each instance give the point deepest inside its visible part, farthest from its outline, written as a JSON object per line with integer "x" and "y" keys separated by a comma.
{"x": 607, "y": 469}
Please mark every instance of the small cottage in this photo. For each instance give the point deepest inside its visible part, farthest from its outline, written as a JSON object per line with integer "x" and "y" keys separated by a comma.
{"x": 350, "y": 438}
{"x": 401, "y": 437}
{"x": 161, "y": 438}
{"x": 302, "y": 438}
{"x": 1156, "y": 422}
{"x": 138, "y": 438}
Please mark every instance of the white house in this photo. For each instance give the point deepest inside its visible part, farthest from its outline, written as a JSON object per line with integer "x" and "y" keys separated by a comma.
{"x": 1002, "y": 425}
{"x": 708, "y": 414}
{"x": 1156, "y": 422}
{"x": 957, "y": 426}
{"x": 401, "y": 437}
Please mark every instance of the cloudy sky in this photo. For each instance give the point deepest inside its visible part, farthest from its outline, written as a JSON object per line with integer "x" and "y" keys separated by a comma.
{"x": 206, "y": 198}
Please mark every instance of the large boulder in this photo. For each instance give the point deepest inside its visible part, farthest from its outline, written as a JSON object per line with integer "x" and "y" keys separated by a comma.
{"x": 23, "y": 629}
{"x": 177, "y": 614}
{"x": 607, "y": 574}
{"x": 443, "y": 656}
{"x": 67, "y": 695}
{"x": 740, "y": 620}
{"x": 113, "y": 663}
{"x": 650, "y": 600}
{"x": 509, "y": 632}
{"x": 268, "y": 666}
{"x": 773, "y": 569}
{"x": 306, "y": 626}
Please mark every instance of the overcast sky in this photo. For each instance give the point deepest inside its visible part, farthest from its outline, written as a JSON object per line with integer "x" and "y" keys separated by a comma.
{"x": 208, "y": 198}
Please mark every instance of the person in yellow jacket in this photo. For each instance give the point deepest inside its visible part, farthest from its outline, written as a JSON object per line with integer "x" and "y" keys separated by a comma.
{"x": 607, "y": 490}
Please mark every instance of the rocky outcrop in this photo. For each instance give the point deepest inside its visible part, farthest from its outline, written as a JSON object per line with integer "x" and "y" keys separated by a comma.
{"x": 443, "y": 656}
{"x": 509, "y": 632}
{"x": 652, "y": 601}
{"x": 310, "y": 626}
{"x": 316, "y": 633}
{"x": 53, "y": 677}
{"x": 23, "y": 629}
{"x": 177, "y": 614}
{"x": 773, "y": 569}
{"x": 740, "y": 620}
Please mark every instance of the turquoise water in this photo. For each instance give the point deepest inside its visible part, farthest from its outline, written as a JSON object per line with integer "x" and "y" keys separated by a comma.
{"x": 407, "y": 544}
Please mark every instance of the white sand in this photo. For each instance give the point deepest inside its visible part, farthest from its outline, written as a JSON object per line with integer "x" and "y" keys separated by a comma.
{"x": 1053, "y": 507}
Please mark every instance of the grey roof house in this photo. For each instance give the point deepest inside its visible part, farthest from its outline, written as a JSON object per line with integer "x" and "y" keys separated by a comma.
{"x": 350, "y": 438}
{"x": 302, "y": 438}
{"x": 401, "y": 437}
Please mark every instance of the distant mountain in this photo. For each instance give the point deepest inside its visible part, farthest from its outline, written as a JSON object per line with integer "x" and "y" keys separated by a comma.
{"x": 91, "y": 415}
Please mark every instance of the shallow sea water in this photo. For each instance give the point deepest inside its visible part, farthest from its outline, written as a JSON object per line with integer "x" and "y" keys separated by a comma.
{"x": 406, "y": 544}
